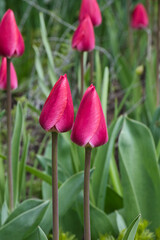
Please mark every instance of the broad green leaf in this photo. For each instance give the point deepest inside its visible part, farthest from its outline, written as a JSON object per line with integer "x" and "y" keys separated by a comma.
{"x": 113, "y": 201}
{"x": 139, "y": 173}
{"x": 16, "y": 140}
{"x": 69, "y": 190}
{"x": 2, "y": 113}
{"x": 155, "y": 125}
{"x": 41, "y": 234}
{"x": 2, "y": 181}
{"x": 101, "y": 165}
{"x": 4, "y": 213}
{"x": 47, "y": 48}
{"x": 132, "y": 229}
{"x": 120, "y": 222}
{"x": 23, "y": 222}
{"x": 43, "y": 176}
{"x": 105, "y": 85}
{"x": 100, "y": 223}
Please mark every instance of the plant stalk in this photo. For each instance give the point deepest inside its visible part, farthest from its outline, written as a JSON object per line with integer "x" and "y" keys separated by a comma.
{"x": 91, "y": 66}
{"x": 87, "y": 231}
{"x": 158, "y": 51}
{"x": 55, "y": 186}
{"x": 9, "y": 153}
{"x": 82, "y": 75}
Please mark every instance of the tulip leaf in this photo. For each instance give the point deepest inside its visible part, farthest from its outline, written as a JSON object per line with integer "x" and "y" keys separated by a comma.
{"x": 38, "y": 234}
{"x": 16, "y": 139}
{"x": 101, "y": 165}
{"x": 47, "y": 48}
{"x": 23, "y": 220}
{"x": 120, "y": 222}
{"x": 100, "y": 223}
{"x": 40, "y": 72}
{"x": 69, "y": 190}
{"x": 4, "y": 213}
{"x": 105, "y": 86}
{"x": 139, "y": 173}
{"x": 132, "y": 229}
{"x": 98, "y": 73}
{"x": 43, "y": 176}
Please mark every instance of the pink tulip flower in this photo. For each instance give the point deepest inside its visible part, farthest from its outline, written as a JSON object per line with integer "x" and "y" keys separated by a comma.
{"x": 91, "y": 8}
{"x": 90, "y": 127}
{"x": 11, "y": 41}
{"x": 139, "y": 17}
{"x": 3, "y": 75}
{"x": 83, "y": 38}
{"x": 58, "y": 112}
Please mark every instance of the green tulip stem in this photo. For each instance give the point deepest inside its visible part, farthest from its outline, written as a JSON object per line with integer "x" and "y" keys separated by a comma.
{"x": 9, "y": 153}
{"x": 87, "y": 231}
{"x": 158, "y": 51}
{"x": 82, "y": 75}
{"x": 91, "y": 66}
{"x": 55, "y": 186}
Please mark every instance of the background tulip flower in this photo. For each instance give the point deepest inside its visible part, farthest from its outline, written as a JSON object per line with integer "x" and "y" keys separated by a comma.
{"x": 11, "y": 41}
{"x": 90, "y": 126}
{"x": 3, "y": 75}
{"x": 58, "y": 113}
{"x": 91, "y": 8}
{"x": 139, "y": 18}
{"x": 83, "y": 38}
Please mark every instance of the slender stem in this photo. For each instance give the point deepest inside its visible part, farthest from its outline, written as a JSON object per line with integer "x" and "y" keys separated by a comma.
{"x": 87, "y": 233}
{"x": 82, "y": 75}
{"x": 9, "y": 154}
{"x": 55, "y": 186}
{"x": 158, "y": 51}
{"x": 91, "y": 66}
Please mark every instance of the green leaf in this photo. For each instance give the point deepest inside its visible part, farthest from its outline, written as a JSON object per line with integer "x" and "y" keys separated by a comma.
{"x": 16, "y": 140}
{"x": 100, "y": 223}
{"x": 40, "y": 72}
{"x": 98, "y": 73}
{"x": 69, "y": 190}
{"x": 22, "y": 163}
{"x": 24, "y": 220}
{"x": 105, "y": 86}
{"x": 132, "y": 229}
{"x": 120, "y": 222}
{"x": 101, "y": 165}
{"x": 41, "y": 234}
{"x": 43, "y": 176}
{"x": 139, "y": 173}
{"x": 113, "y": 201}
{"x": 47, "y": 48}
{"x": 4, "y": 213}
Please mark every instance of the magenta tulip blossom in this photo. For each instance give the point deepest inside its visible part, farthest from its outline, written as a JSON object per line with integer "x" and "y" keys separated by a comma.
{"x": 11, "y": 41}
{"x": 83, "y": 38}
{"x": 90, "y": 127}
{"x": 58, "y": 112}
{"x": 3, "y": 75}
{"x": 91, "y": 8}
{"x": 139, "y": 17}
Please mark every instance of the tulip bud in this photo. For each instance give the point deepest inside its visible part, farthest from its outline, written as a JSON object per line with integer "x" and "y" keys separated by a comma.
{"x": 90, "y": 127}
{"x": 3, "y": 75}
{"x": 91, "y": 8}
{"x": 139, "y": 18}
{"x": 58, "y": 113}
{"x": 83, "y": 38}
{"x": 11, "y": 41}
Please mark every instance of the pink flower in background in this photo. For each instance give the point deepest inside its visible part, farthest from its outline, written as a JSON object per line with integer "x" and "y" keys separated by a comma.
{"x": 83, "y": 38}
{"x": 139, "y": 17}
{"x": 3, "y": 75}
{"x": 58, "y": 112}
{"x": 91, "y": 8}
{"x": 90, "y": 125}
{"x": 11, "y": 41}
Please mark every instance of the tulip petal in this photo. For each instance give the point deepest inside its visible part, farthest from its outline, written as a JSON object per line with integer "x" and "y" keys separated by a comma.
{"x": 90, "y": 8}
{"x": 3, "y": 75}
{"x": 87, "y": 119}
{"x": 139, "y": 18}
{"x": 66, "y": 121}
{"x": 11, "y": 41}
{"x": 83, "y": 38}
